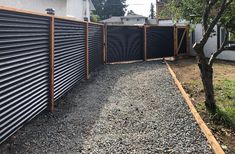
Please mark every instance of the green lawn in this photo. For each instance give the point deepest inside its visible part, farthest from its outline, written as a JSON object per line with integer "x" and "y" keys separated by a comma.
{"x": 225, "y": 98}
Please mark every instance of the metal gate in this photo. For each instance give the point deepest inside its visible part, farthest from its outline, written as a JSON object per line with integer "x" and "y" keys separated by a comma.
{"x": 125, "y": 43}
{"x": 159, "y": 41}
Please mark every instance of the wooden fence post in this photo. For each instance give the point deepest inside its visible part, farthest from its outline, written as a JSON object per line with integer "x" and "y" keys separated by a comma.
{"x": 87, "y": 52}
{"x": 145, "y": 42}
{"x": 188, "y": 39}
{"x": 103, "y": 43}
{"x": 175, "y": 40}
{"x": 51, "y": 74}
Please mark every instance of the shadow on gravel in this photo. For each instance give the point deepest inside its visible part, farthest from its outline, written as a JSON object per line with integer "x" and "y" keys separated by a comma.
{"x": 65, "y": 130}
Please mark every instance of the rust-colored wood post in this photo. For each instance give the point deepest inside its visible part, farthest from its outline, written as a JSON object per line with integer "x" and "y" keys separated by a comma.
{"x": 106, "y": 43}
{"x": 188, "y": 39}
{"x": 145, "y": 42}
{"x": 103, "y": 44}
{"x": 175, "y": 40}
{"x": 51, "y": 105}
{"x": 87, "y": 51}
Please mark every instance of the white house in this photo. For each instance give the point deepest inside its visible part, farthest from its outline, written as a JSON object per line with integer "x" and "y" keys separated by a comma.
{"x": 131, "y": 19}
{"x": 78, "y": 9}
{"x": 134, "y": 19}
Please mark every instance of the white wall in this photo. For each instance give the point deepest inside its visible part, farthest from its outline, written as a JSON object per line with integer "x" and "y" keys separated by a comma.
{"x": 71, "y": 8}
{"x": 37, "y": 5}
{"x": 211, "y": 45}
{"x": 133, "y": 21}
{"x": 78, "y": 9}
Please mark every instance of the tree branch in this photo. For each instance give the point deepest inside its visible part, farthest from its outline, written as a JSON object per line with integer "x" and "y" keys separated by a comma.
{"x": 221, "y": 49}
{"x": 206, "y": 36}
{"x": 206, "y": 13}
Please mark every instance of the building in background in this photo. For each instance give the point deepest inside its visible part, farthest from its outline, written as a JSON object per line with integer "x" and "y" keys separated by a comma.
{"x": 79, "y": 9}
{"x": 131, "y": 19}
{"x": 161, "y": 5}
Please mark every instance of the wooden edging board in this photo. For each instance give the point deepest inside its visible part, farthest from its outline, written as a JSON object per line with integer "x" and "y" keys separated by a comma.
{"x": 207, "y": 132}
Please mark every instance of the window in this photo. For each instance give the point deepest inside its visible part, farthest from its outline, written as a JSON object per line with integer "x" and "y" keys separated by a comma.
{"x": 127, "y": 19}
{"x": 138, "y": 19}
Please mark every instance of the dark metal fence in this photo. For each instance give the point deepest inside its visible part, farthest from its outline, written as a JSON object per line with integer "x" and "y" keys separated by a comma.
{"x": 130, "y": 43}
{"x": 41, "y": 57}
{"x": 125, "y": 43}
{"x": 95, "y": 46}
{"x": 69, "y": 55}
{"x": 24, "y": 73}
{"x": 160, "y": 42}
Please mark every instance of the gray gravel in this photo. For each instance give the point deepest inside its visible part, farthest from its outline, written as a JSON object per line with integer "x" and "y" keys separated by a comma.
{"x": 129, "y": 108}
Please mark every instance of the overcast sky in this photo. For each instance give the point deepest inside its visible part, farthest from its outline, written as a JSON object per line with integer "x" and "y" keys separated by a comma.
{"x": 141, "y": 7}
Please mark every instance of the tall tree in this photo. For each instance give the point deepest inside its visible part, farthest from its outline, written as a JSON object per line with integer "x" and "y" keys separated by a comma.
{"x": 99, "y": 6}
{"x": 114, "y": 8}
{"x": 108, "y": 8}
{"x": 131, "y": 12}
{"x": 152, "y": 12}
{"x": 209, "y": 13}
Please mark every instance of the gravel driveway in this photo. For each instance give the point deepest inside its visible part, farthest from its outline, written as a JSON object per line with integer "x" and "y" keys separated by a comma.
{"x": 129, "y": 108}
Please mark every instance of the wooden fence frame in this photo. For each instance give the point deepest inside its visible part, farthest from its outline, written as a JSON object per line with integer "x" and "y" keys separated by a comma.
{"x": 186, "y": 34}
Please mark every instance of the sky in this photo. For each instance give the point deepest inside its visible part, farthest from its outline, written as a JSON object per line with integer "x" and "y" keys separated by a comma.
{"x": 141, "y": 7}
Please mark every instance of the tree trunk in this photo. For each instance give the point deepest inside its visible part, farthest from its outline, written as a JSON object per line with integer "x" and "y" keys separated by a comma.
{"x": 207, "y": 80}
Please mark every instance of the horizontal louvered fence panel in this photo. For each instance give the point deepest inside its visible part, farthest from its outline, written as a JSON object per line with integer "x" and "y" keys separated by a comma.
{"x": 24, "y": 69}
{"x": 125, "y": 43}
{"x": 95, "y": 46}
{"x": 69, "y": 55}
{"x": 160, "y": 42}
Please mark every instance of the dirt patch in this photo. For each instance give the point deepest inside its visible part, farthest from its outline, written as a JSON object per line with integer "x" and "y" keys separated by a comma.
{"x": 224, "y": 74}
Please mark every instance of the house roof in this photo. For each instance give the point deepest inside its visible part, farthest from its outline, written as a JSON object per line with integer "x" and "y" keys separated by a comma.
{"x": 113, "y": 19}
{"x": 118, "y": 19}
{"x": 132, "y": 16}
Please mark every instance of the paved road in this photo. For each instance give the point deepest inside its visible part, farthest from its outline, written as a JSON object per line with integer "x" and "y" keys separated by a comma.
{"x": 129, "y": 108}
